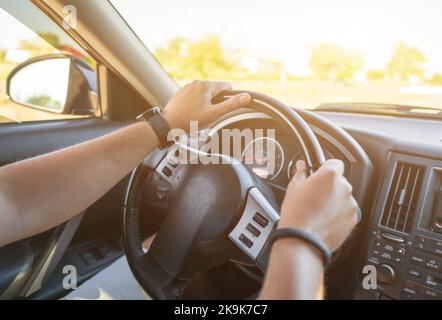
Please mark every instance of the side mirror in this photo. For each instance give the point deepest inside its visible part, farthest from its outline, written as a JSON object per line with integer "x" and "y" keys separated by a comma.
{"x": 55, "y": 83}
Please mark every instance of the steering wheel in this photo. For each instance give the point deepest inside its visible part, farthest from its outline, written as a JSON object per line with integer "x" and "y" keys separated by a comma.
{"x": 217, "y": 212}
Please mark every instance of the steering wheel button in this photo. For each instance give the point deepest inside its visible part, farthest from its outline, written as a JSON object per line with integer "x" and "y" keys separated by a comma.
{"x": 246, "y": 241}
{"x": 261, "y": 220}
{"x": 167, "y": 171}
{"x": 251, "y": 228}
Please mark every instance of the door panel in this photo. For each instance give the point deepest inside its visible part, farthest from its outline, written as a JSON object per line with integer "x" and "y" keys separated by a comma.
{"x": 28, "y": 266}
{"x": 28, "y": 140}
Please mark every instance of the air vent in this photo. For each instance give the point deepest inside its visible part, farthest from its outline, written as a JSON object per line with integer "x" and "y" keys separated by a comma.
{"x": 400, "y": 206}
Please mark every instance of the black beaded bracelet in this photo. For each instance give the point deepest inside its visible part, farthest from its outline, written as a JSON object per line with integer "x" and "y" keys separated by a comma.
{"x": 307, "y": 237}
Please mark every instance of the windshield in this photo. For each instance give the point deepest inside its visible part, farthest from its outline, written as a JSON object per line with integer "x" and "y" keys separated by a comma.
{"x": 306, "y": 53}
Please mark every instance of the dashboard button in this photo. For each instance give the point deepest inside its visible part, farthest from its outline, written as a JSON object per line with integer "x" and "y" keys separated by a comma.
{"x": 386, "y": 255}
{"x": 374, "y": 260}
{"x": 388, "y": 248}
{"x": 386, "y": 274}
{"x": 430, "y": 294}
{"x": 398, "y": 258}
{"x": 422, "y": 243}
{"x": 436, "y": 247}
{"x": 417, "y": 260}
{"x": 433, "y": 281}
{"x": 410, "y": 291}
{"x": 432, "y": 264}
{"x": 415, "y": 273}
{"x": 392, "y": 238}
{"x": 413, "y": 290}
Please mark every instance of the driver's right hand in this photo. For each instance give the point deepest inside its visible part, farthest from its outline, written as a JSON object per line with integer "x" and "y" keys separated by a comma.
{"x": 321, "y": 203}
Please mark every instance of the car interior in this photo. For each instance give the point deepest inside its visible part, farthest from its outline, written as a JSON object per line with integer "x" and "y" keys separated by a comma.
{"x": 105, "y": 76}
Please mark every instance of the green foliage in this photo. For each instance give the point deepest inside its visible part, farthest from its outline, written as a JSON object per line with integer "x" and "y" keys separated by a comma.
{"x": 50, "y": 38}
{"x": 206, "y": 58}
{"x": 37, "y": 46}
{"x": 332, "y": 62}
{"x": 203, "y": 59}
{"x": 406, "y": 62}
{"x": 44, "y": 101}
{"x": 375, "y": 75}
{"x": 436, "y": 79}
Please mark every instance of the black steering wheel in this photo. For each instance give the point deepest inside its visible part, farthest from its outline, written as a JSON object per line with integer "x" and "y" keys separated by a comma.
{"x": 211, "y": 208}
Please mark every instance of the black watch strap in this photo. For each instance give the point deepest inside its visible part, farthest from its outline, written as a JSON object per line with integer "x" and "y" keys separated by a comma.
{"x": 158, "y": 123}
{"x": 161, "y": 128}
{"x": 305, "y": 236}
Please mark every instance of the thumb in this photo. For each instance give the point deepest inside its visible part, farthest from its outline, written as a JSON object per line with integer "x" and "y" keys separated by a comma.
{"x": 235, "y": 102}
{"x": 301, "y": 173}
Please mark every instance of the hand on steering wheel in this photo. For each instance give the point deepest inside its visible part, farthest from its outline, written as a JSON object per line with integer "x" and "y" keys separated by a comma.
{"x": 211, "y": 206}
{"x": 193, "y": 102}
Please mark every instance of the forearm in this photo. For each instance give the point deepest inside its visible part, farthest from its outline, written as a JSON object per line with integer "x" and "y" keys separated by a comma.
{"x": 295, "y": 271}
{"x": 40, "y": 193}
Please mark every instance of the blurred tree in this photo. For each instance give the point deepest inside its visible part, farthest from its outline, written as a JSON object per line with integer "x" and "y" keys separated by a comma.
{"x": 44, "y": 101}
{"x": 332, "y": 62}
{"x": 171, "y": 56}
{"x": 375, "y": 75}
{"x": 406, "y": 62}
{"x": 2, "y": 55}
{"x": 50, "y": 38}
{"x": 436, "y": 79}
{"x": 38, "y": 46}
{"x": 202, "y": 59}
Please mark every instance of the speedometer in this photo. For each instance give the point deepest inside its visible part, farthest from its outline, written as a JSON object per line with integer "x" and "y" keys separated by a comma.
{"x": 265, "y": 157}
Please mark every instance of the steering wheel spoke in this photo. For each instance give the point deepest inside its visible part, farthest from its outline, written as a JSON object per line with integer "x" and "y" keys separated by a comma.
{"x": 159, "y": 283}
{"x": 251, "y": 234}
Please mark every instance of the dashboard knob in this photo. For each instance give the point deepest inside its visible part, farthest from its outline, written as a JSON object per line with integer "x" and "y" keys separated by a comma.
{"x": 386, "y": 274}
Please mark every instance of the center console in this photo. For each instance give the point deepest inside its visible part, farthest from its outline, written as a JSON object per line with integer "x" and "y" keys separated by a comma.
{"x": 405, "y": 240}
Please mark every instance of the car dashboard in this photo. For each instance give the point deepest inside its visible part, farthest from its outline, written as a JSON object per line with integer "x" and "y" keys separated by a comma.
{"x": 401, "y": 235}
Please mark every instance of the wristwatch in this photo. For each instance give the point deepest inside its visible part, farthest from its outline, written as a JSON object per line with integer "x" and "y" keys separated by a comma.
{"x": 158, "y": 123}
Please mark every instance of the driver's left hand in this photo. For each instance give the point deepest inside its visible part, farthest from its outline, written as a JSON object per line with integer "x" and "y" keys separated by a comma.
{"x": 193, "y": 102}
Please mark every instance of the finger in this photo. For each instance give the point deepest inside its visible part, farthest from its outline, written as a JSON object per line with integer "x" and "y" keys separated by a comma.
{"x": 357, "y": 210}
{"x": 216, "y": 87}
{"x": 148, "y": 242}
{"x": 301, "y": 172}
{"x": 235, "y": 102}
{"x": 347, "y": 185}
{"x": 335, "y": 165}
{"x": 358, "y": 215}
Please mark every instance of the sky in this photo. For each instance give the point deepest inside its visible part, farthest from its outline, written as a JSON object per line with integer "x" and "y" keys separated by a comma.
{"x": 289, "y": 29}
{"x": 12, "y": 28}
{"x": 283, "y": 29}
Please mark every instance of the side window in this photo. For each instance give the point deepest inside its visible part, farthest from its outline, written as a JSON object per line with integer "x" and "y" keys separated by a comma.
{"x": 44, "y": 74}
